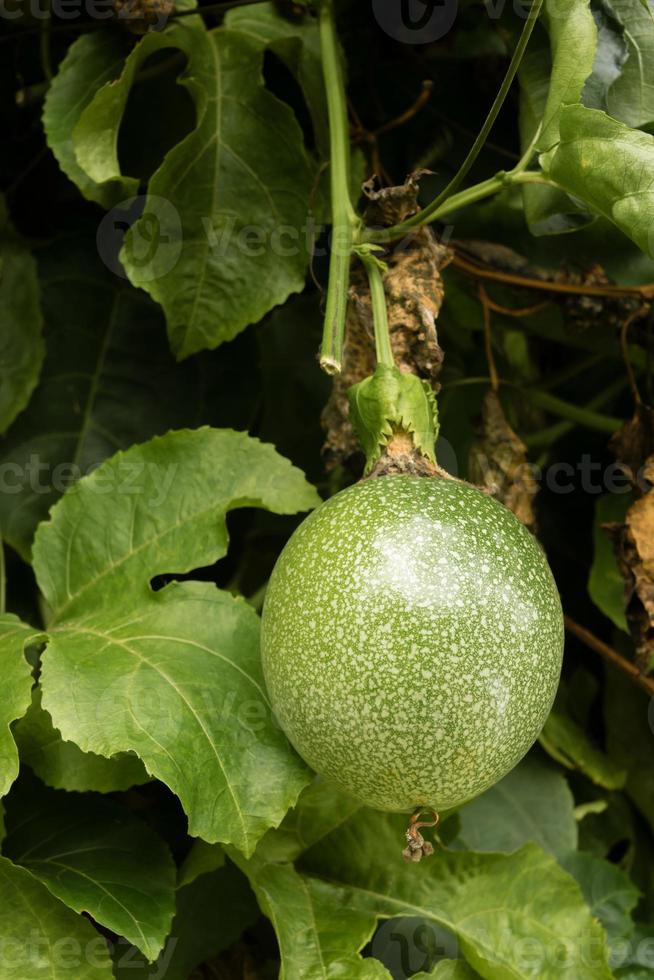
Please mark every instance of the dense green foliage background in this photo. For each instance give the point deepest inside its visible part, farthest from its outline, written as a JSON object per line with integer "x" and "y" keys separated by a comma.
{"x": 163, "y": 261}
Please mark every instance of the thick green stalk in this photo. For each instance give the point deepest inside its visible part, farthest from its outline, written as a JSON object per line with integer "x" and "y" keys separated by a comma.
{"x": 344, "y": 217}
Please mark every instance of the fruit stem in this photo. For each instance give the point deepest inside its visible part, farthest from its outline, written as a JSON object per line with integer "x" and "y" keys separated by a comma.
{"x": 417, "y": 847}
{"x": 344, "y": 217}
{"x": 383, "y": 347}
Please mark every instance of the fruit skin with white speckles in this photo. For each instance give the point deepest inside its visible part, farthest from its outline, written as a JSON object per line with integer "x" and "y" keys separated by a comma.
{"x": 412, "y": 639}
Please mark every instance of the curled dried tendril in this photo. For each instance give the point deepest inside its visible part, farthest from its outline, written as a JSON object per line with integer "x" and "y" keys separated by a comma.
{"x": 417, "y": 847}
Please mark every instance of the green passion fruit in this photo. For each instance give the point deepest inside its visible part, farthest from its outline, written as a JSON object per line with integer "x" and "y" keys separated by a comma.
{"x": 412, "y": 639}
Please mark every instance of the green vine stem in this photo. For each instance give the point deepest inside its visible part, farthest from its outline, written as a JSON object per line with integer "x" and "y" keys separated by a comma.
{"x": 584, "y": 415}
{"x": 434, "y": 209}
{"x": 383, "y": 348}
{"x": 501, "y": 180}
{"x": 344, "y": 218}
{"x": 574, "y": 413}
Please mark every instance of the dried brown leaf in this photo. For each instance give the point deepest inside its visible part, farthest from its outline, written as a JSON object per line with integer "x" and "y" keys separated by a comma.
{"x": 633, "y": 541}
{"x": 634, "y": 546}
{"x": 141, "y": 16}
{"x": 581, "y": 310}
{"x": 633, "y": 444}
{"x": 498, "y": 463}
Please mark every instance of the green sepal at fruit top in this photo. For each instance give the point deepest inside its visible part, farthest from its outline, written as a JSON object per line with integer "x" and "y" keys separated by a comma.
{"x": 390, "y": 401}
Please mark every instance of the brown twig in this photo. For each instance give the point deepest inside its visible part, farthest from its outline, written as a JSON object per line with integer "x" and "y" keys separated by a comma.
{"x": 417, "y": 847}
{"x": 517, "y": 311}
{"x": 599, "y": 646}
{"x": 360, "y": 134}
{"x": 624, "y": 347}
{"x": 408, "y": 114}
{"x": 488, "y": 337}
{"x": 480, "y": 271}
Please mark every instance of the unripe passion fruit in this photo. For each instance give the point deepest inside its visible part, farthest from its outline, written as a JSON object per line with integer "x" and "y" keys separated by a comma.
{"x": 412, "y": 641}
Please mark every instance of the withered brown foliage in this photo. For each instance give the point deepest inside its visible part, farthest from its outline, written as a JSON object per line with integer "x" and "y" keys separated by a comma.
{"x": 633, "y": 541}
{"x": 498, "y": 462}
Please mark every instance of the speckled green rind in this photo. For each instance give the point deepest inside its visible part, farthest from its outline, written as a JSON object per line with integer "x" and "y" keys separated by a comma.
{"x": 412, "y": 641}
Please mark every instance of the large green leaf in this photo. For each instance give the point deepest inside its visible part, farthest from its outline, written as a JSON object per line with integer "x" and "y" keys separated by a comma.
{"x": 16, "y": 690}
{"x": 224, "y": 221}
{"x": 296, "y": 41}
{"x": 409, "y": 943}
{"x": 320, "y": 926}
{"x": 202, "y": 859}
{"x": 321, "y": 807}
{"x": 95, "y": 135}
{"x": 605, "y": 823}
{"x": 97, "y": 858}
{"x": 609, "y": 166}
{"x": 606, "y": 585}
{"x": 109, "y": 380}
{"x": 158, "y": 507}
{"x": 174, "y": 676}
{"x": 449, "y": 970}
{"x": 92, "y": 60}
{"x": 610, "y": 57}
{"x": 573, "y": 41}
{"x": 636, "y": 961}
{"x": 63, "y": 765}
{"x": 532, "y": 803}
{"x": 631, "y": 96}
{"x": 610, "y": 893}
{"x": 21, "y": 322}
{"x": 496, "y": 905}
{"x": 179, "y": 684}
{"x": 212, "y": 912}
{"x": 567, "y": 741}
{"x": 42, "y": 938}
{"x": 551, "y": 76}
